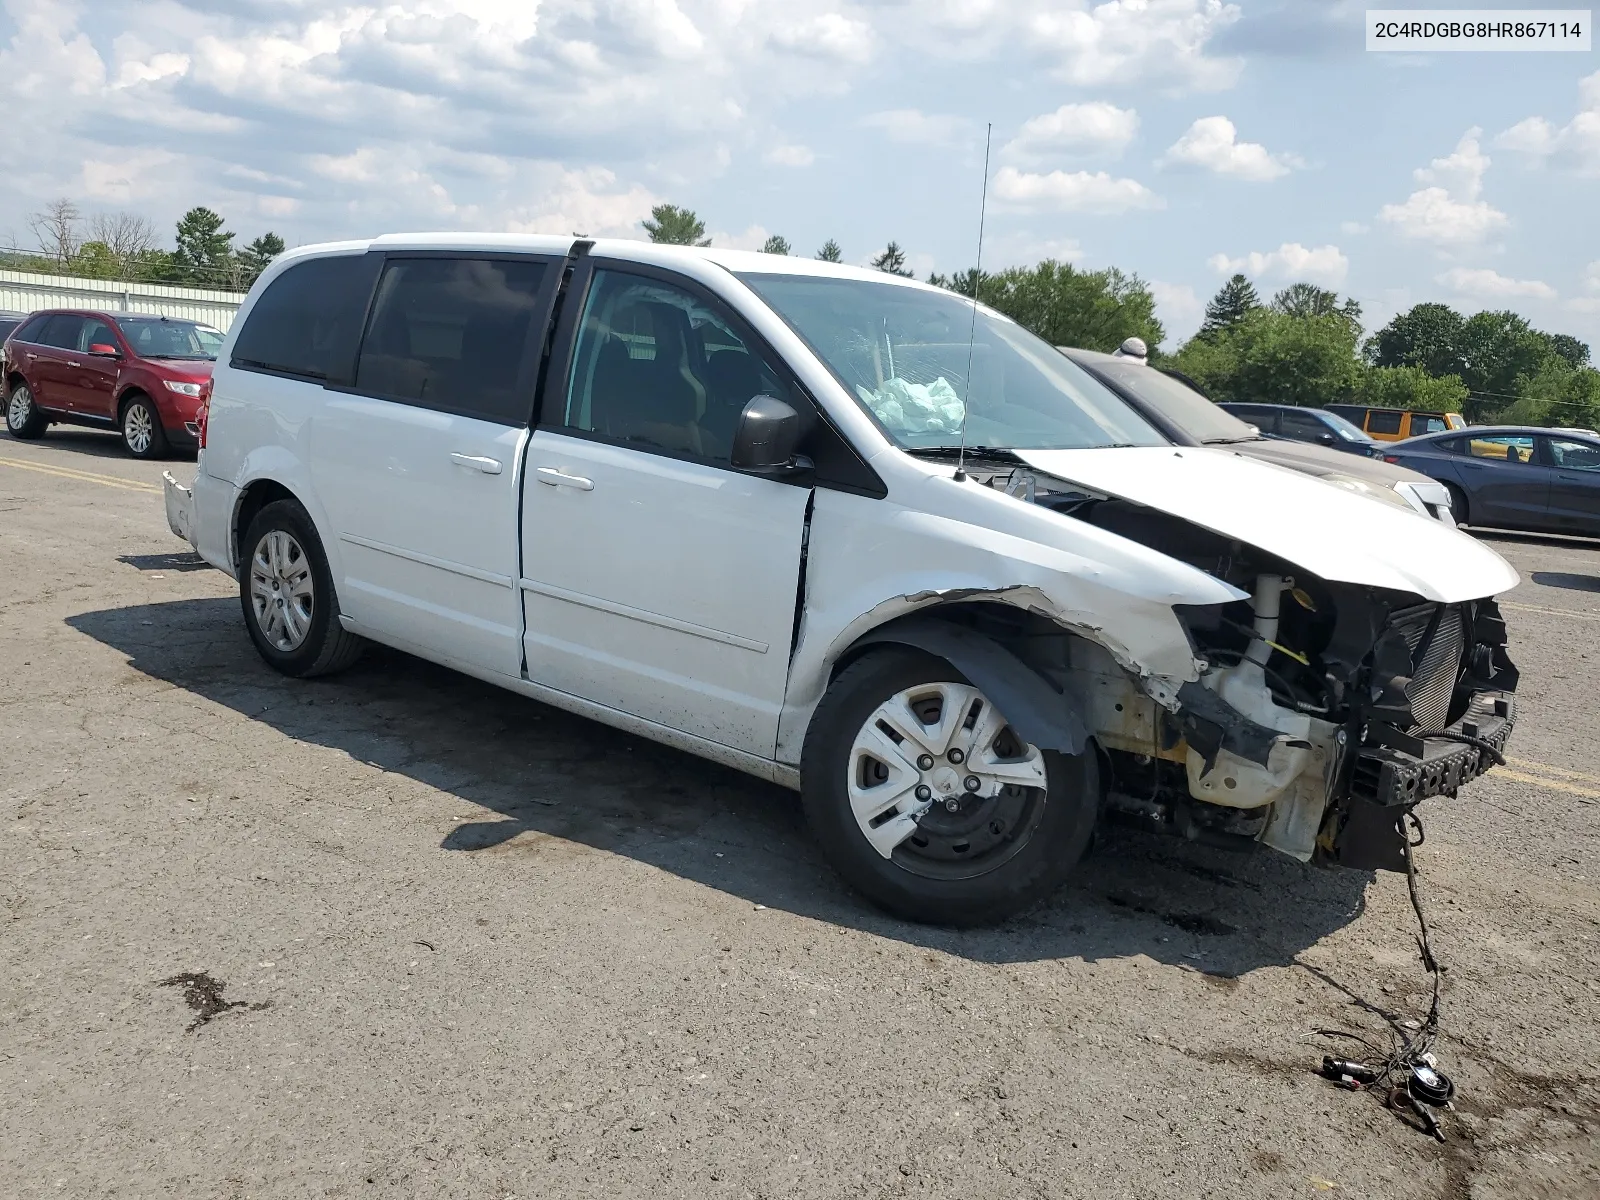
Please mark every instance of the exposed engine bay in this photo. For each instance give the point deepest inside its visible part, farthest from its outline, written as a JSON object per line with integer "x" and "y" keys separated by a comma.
{"x": 1323, "y": 713}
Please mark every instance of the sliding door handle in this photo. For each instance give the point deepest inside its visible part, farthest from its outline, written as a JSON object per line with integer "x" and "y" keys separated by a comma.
{"x": 558, "y": 478}
{"x": 489, "y": 466}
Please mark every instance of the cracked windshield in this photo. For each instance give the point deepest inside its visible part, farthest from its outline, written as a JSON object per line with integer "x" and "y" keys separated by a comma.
{"x": 903, "y": 353}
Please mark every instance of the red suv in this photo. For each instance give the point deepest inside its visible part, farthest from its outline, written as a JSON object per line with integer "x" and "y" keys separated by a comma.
{"x": 145, "y": 376}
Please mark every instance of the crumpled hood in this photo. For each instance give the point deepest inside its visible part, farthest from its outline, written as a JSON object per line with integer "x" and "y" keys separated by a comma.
{"x": 1329, "y": 531}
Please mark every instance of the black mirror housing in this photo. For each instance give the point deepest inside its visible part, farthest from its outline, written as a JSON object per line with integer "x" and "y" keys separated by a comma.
{"x": 765, "y": 439}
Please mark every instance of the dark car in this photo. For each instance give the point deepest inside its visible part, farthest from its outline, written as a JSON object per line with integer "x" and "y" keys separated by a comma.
{"x": 1513, "y": 476}
{"x": 1185, "y": 416}
{"x": 9, "y": 321}
{"x": 1294, "y": 423}
{"x": 143, "y": 375}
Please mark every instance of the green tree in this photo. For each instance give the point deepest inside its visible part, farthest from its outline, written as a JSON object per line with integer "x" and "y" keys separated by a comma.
{"x": 965, "y": 283}
{"x": 1410, "y": 387}
{"x": 1271, "y": 357}
{"x": 674, "y": 226}
{"x": 1233, "y": 302}
{"x": 1496, "y": 348}
{"x": 96, "y": 261}
{"x": 1426, "y": 336}
{"x": 205, "y": 249}
{"x": 830, "y": 252}
{"x": 776, "y": 245}
{"x": 257, "y": 256}
{"x": 1093, "y": 310}
{"x": 1570, "y": 348}
{"x": 892, "y": 260}
{"x": 1555, "y": 394}
{"x": 1309, "y": 300}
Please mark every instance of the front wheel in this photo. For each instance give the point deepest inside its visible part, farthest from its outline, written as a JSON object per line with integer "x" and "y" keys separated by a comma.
{"x": 927, "y": 802}
{"x": 142, "y": 433}
{"x": 23, "y": 418}
{"x": 1458, "y": 504}
{"x": 287, "y": 594}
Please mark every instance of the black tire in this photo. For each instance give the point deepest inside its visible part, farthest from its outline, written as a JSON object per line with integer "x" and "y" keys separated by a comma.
{"x": 140, "y": 424}
{"x": 23, "y": 418}
{"x": 325, "y": 646}
{"x": 1458, "y": 504}
{"x": 1050, "y": 835}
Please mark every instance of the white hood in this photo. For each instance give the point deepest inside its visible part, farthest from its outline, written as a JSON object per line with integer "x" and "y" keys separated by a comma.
{"x": 1329, "y": 531}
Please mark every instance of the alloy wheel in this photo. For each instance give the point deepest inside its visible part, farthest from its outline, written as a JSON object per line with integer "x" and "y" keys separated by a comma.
{"x": 941, "y": 784}
{"x": 17, "y": 410}
{"x": 282, "y": 594}
{"x": 138, "y": 428}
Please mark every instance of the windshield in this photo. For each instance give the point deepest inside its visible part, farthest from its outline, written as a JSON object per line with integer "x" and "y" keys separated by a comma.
{"x": 161, "y": 337}
{"x": 903, "y": 353}
{"x": 1176, "y": 401}
{"x": 1345, "y": 429}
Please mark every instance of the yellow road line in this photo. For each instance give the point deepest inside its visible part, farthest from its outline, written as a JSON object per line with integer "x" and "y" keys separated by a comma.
{"x": 81, "y": 476}
{"x": 1559, "y": 785}
{"x": 1546, "y": 768}
{"x": 1555, "y": 612}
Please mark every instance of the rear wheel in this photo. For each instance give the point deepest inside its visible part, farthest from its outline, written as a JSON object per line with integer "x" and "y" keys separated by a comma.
{"x": 23, "y": 418}
{"x": 1458, "y": 504}
{"x": 286, "y": 591}
{"x": 925, "y": 799}
{"x": 142, "y": 433}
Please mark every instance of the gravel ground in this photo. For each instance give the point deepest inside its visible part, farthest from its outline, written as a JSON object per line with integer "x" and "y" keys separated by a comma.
{"x": 400, "y": 933}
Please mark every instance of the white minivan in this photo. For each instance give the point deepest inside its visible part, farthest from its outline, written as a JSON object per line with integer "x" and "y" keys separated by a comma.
{"x": 846, "y": 532}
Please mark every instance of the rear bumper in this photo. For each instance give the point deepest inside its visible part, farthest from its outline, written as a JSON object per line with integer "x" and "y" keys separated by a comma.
{"x": 180, "y": 507}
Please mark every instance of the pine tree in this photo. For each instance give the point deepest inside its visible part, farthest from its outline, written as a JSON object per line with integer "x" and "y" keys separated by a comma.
{"x": 892, "y": 260}
{"x": 204, "y": 248}
{"x": 1230, "y": 305}
{"x": 776, "y": 245}
{"x": 257, "y": 256}
{"x": 674, "y": 226}
{"x": 830, "y": 252}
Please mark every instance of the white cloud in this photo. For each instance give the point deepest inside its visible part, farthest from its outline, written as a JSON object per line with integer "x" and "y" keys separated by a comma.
{"x": 1074, "y": 129}
{"x": 783, "y": 155}
{"x": 1178, "y": 308}
{"x": 753, "y": 238}
{"x": 915, "y": 127}
{"x": 1575, "y": 145}
{"x": 828, "y": 36}
{"x": 1075, "y": 191}
{"x": 1450, "y": 213}
{"x": 586, "y": 201}
{"x": 1591, "y": 276}
{"x": 1324, "y": 265}
{"x": 1127, "y": 41}
{"x": 1485, "y": 284}
{"x": 1212, "y": 143}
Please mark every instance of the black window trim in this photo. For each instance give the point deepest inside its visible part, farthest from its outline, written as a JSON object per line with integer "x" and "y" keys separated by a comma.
{"x": 564, "y": 347}
{"x": 532, "y": 350}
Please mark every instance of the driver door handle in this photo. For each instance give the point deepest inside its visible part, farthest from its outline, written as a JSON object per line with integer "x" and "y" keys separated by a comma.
{"x": 489, "y": 466}
{"x": 73, "y": 364}
{"x": 559, "y": 478}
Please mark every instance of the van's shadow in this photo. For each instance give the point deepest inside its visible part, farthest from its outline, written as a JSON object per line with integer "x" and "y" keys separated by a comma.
{"x": 540, "y": 772}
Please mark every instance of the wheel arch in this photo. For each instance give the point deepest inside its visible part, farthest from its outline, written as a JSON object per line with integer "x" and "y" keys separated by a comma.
{"x": 128, "y": 393}
{"x": 253, "y": 497}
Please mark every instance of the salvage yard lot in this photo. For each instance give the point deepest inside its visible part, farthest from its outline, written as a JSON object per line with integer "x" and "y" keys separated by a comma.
{"x": 456, "y": 943}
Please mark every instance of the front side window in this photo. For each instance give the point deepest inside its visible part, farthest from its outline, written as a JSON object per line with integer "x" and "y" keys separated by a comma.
{"x": 1572, "y": 455}
{"x": 659, "y": 367}
{"x": 165, "y": 337}
{"x": 451, "y": 333}
{"x": 920, "y": 361}
{"x": 1427, "y": 424}
{"x": 1506, "y": 449}
{"x": 1302, "y": 425}
{"x": 307, "y": 321}
{"x": 96, "y": 333}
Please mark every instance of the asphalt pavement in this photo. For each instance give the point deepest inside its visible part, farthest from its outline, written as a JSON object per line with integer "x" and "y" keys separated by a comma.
{"x": 399, "y": 933}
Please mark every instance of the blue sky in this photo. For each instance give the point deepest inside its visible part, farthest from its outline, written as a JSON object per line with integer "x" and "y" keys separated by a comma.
{"x": 1179, "y": 139}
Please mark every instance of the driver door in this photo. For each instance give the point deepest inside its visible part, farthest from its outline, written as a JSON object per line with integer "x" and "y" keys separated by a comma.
{"x": 657, "y": 580}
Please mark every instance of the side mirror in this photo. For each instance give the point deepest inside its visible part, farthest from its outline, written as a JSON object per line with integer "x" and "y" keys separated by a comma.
{"x": 764, "y": 441}
{"x": 1327, "y": 439}
{"x": 105, "y": 350}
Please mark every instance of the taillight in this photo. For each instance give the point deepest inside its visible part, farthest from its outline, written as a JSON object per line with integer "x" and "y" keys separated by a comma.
{"x": 202, "y": 417}
{"x": 1391, "y": 458}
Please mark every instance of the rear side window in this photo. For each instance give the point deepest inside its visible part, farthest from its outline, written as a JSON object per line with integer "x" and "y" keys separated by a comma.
{"x": 452, "y": 334}
{"x": 308, "y": 320}
{"x": 1380, "y": 421}
{"x": 1427, "y": 423}
{"x": 61, "y": 330}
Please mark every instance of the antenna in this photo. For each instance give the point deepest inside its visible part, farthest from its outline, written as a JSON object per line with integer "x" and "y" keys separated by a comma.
{"x": 972, "y": 330}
